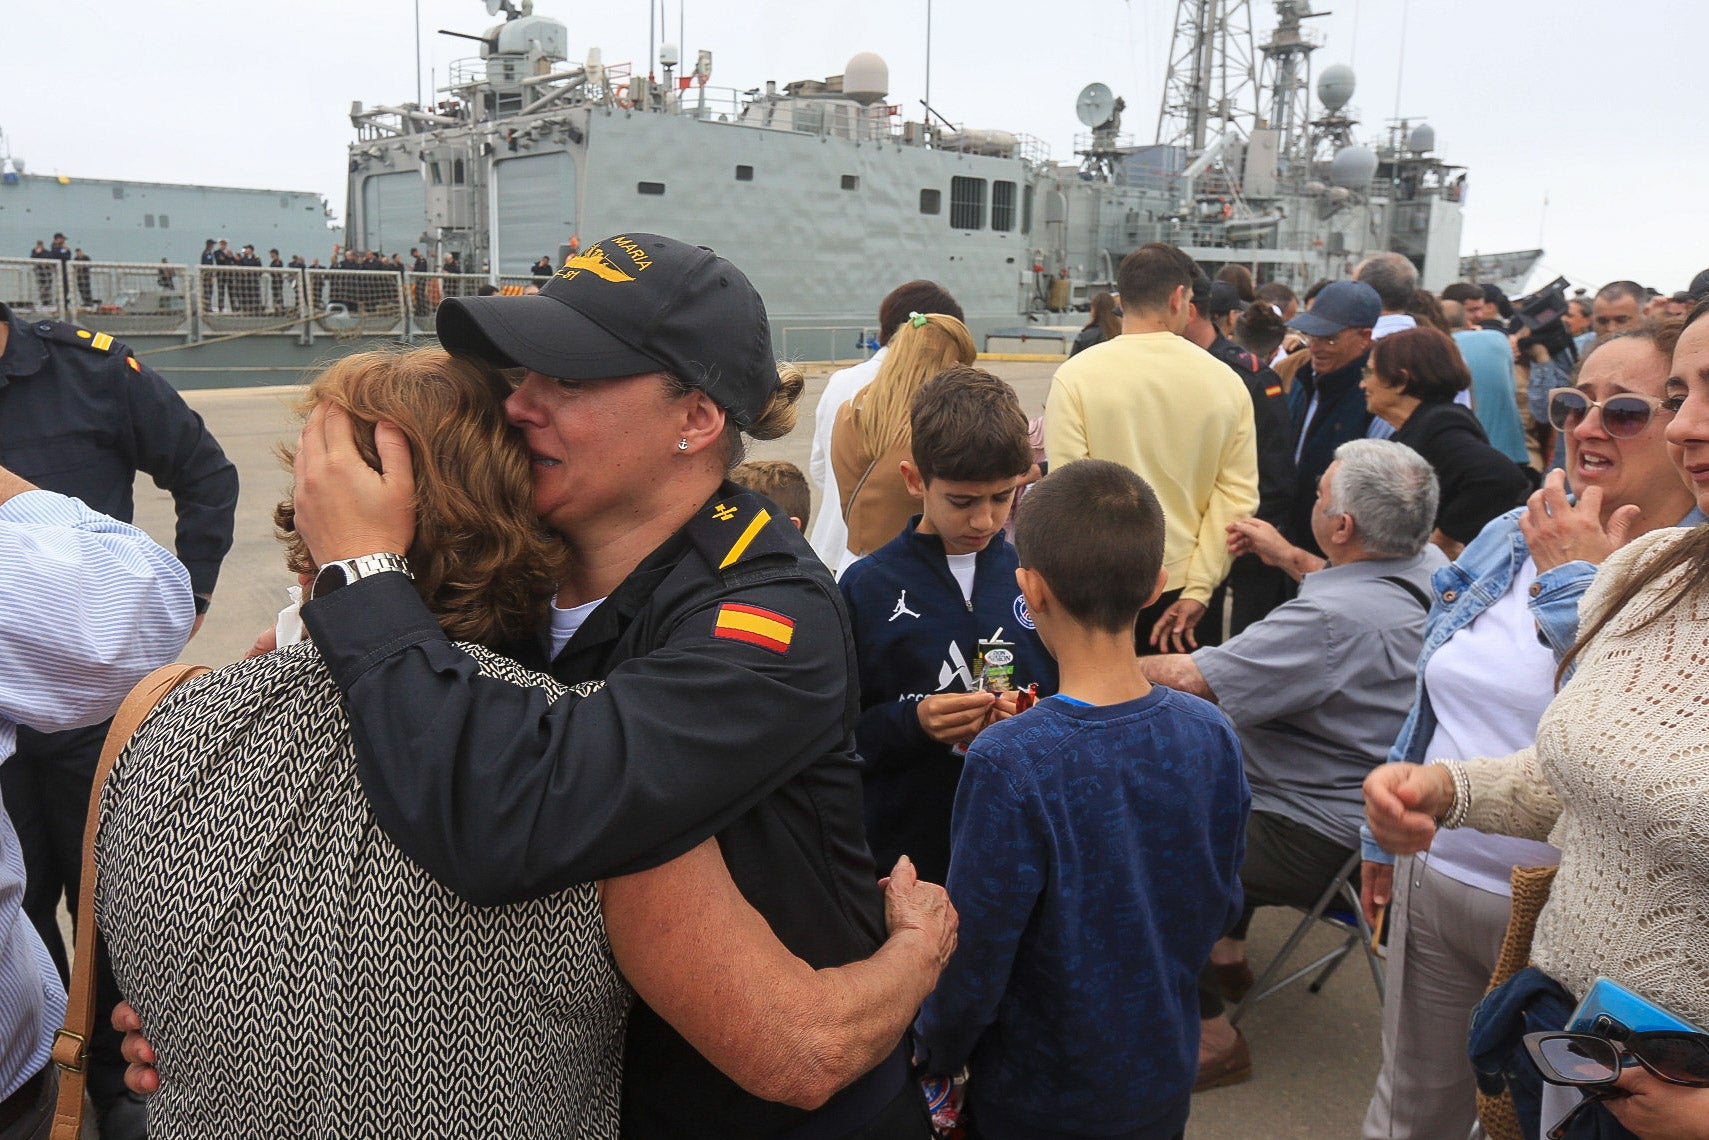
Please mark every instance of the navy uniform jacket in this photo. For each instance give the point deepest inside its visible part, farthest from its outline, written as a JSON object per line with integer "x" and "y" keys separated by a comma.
{"x": 1340, "y": 417}
{"x": 1275, "y": 433}
{"x": 915, "y": 635}
{"x": 714, "y": 697}
{"x": 81, "y": 416}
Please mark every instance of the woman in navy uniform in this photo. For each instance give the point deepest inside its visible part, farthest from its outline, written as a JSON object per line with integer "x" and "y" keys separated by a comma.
{"x": 710, "y": 657}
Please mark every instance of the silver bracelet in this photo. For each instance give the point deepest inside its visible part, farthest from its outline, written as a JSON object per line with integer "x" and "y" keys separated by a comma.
{"x": 1455, "y": 816}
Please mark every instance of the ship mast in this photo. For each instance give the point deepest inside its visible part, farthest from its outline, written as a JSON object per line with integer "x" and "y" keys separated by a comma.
{"x": 1211, "y": 77}
{"x": 1286, "y": 76}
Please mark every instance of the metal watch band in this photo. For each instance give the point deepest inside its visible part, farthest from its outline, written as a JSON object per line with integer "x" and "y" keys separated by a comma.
{"x": 353, "y": 569}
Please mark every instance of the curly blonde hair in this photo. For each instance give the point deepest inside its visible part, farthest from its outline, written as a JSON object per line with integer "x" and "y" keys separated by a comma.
{"x": 483, "y": 563}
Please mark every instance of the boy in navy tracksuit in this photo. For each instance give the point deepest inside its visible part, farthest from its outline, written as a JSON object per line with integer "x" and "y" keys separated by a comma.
{"x": 921, "y": 604}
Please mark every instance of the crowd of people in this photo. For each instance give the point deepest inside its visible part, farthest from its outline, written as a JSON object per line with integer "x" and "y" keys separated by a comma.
{"x": 577, "y": 749}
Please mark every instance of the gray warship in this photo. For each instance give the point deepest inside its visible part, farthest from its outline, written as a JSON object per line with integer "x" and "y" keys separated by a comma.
{"x": 822, "y": 190}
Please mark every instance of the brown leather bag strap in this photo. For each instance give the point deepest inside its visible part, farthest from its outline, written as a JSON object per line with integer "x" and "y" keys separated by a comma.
{"x": 71, "y": 1042}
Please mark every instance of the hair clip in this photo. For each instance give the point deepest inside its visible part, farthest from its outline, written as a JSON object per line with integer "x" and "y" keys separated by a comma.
{"x": 918, "y": 320}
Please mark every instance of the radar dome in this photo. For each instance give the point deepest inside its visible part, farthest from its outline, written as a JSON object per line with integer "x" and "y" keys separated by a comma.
{"x": 1353, "y": 167}
{"x": 669, "y": 56}
{"x": 1335, "y": 86}
{"x": 866, "y": 79}
{"x": 1422, "y": 140}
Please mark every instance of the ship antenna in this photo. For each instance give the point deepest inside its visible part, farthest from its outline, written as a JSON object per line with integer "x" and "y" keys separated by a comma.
{"x": 928, "y": 99}
{"x": 1211, "y": 73}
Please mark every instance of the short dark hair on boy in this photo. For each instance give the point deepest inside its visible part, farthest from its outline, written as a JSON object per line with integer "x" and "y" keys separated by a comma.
{"x": 1093, "y": 530}
{"x": 1147, "y": 276}
{"x": 968, "y": 425}
{"x": 778, "y": 480}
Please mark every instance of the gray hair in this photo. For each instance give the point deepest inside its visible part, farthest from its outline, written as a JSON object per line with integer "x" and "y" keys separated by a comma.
{"x": 1391, "y": 493}
{"x": 1392, "y": 276}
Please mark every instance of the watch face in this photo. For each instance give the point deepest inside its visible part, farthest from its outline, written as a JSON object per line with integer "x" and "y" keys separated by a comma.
{"x": 328, "y": 579}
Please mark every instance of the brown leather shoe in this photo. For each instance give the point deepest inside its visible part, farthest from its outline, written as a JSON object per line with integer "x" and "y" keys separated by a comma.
{"x": 1233, "y": 981}
{"x": 1230, "y": 1067}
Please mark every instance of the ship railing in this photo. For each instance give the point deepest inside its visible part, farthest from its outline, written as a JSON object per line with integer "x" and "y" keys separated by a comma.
{"x": 356, "y": 302}
{"x": 33, "y": 287}
{"x": 257, "y": 301}
{"x": 832, "y": 344}
{"x": 516, "y": 284}
{"x": 131, "y": 298}
{"x": 424, "y": 291}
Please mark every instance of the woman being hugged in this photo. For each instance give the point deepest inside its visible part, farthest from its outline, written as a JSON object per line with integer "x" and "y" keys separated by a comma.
{"x": 1618, "y": 777}
{"x": 708, "y": 683}
{"x": 235, "y": 819}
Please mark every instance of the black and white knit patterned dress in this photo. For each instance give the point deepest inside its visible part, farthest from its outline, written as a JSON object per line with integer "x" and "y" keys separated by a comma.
{"x": 297, "y": 975}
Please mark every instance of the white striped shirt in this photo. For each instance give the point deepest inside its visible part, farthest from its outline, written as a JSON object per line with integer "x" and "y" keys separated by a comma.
{"x": 88, "y": 606}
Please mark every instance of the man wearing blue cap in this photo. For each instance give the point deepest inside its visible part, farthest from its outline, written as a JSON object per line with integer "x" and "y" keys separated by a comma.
{"x": 1325, "y": 404}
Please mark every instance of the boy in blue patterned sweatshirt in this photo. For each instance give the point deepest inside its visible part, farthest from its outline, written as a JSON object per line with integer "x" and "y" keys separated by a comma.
{"x": 1096, "y": 850}
{"x": 921, "y": 603}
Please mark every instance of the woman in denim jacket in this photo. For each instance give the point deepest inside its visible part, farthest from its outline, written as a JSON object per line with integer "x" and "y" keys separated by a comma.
{"x": 1505, "y": 612}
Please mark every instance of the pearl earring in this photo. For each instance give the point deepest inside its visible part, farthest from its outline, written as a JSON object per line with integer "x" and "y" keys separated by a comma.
{"x": 682, "y": 444}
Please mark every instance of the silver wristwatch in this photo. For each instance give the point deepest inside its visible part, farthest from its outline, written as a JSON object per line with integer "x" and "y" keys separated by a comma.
{"x": 347, "y": 570}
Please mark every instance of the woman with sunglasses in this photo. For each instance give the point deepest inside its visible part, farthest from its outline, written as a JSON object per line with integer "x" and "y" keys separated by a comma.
{"x": 1618, "y": 778}
{"x": 1411, "y": 381}
{"x": 1505, "y": 613}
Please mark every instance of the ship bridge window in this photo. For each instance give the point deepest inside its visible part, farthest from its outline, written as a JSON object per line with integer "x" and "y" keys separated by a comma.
{"x": 165, "y": 222}
{"x": 118, "y": 193}
{"x": 435, "y": 174}
{"x": 1002, "y": 206}
{"x": 967, "y": 203}
{"x": 744, "y": 174}
{"x": 457, "y": 173}
{"x": 931, "y": 201}
{"x": 851, "y": 182}
{"x": 148, "y": 221}
{"x": 1026, "y": 209}
{"x": 654, "y": 188}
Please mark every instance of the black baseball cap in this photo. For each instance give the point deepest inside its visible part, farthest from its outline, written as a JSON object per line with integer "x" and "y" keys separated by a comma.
{"x": 1225, "y": 298}
{"x": 1340, "y": 305}
{"x": 625, "y": 305}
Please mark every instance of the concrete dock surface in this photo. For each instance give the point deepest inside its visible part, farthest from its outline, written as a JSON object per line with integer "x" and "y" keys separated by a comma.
{"x": 1314, "y": 1055}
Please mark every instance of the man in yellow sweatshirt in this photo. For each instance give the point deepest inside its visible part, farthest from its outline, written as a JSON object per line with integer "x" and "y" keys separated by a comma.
{"x": 1181, "y": 420}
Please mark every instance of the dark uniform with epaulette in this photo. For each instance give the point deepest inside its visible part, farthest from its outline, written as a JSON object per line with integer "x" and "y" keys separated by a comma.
{"x": 1258, "y": 588}
{"x": 80, "y": 415}
{"x": 716, "y": 697}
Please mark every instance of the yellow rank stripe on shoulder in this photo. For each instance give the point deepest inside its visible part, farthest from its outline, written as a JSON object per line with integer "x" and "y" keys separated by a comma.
{"x": 748, "y": 536}
{"x": 102, "y": 341}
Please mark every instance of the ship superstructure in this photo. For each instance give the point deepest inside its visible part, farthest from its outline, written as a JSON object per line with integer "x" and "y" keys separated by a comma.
{"x": 822, "y": 190}
{"x": 828, "y": 196}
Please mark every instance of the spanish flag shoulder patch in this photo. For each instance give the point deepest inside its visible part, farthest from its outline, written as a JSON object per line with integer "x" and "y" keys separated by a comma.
{"x": 754, "y": 625}
{"x": 1273, "y": 390}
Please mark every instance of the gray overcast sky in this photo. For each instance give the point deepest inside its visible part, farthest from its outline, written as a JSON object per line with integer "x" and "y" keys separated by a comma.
{"x": 1590, "y": 106}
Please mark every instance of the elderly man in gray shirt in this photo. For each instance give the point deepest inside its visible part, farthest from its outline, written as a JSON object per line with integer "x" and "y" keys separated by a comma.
{"x": 1318, "y": 691}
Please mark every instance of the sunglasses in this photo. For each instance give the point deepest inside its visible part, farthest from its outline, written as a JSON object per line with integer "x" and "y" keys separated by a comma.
{"x": 1623, "y": 416}
{"x": 1593, "y": 1062}
{"x": 1588, "y": 1060}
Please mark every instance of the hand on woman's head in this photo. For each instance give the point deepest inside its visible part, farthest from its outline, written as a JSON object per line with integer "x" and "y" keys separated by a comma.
{"x": 343, "y": 507}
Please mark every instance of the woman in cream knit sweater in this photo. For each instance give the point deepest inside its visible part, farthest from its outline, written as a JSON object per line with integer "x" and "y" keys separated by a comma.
{"x": 1618, "y": 778}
